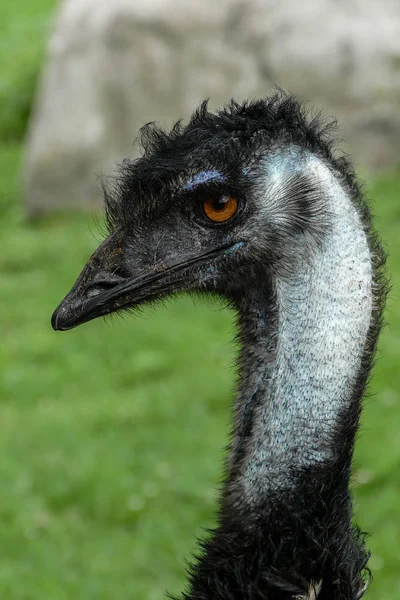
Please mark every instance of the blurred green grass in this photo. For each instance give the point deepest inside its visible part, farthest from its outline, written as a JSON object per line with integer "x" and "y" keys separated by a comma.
{"x": 112, "y": 435}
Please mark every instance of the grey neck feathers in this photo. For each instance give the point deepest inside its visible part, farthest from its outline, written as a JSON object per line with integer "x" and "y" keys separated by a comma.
{"x": 302, "y": 346}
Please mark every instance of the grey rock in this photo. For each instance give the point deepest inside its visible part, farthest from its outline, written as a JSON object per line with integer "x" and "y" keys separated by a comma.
{"x": 113, "y": 66}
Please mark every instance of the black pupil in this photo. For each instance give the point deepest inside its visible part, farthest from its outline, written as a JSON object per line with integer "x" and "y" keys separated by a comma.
{"x": 219, "y": 203}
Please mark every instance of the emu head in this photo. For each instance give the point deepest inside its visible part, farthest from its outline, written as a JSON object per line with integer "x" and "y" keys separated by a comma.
{"x": 208, "y": 207}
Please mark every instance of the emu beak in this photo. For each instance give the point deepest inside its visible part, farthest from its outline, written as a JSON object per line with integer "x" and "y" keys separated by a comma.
{"x": 100, "y": 289}
{"x": 107, "y": 295}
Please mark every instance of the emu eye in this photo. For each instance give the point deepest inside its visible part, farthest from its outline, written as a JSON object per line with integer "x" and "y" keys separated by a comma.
{"x": 220, "y": 209}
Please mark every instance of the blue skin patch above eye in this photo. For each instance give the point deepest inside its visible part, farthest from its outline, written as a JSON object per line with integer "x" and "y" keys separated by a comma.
{"x": 203, "y": 177}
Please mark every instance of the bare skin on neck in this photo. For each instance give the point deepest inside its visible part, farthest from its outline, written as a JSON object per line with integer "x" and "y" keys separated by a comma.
{"x": 304, "y": 380}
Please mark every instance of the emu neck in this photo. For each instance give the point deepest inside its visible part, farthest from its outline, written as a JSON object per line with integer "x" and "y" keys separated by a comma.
{"x": 304, "y": 336}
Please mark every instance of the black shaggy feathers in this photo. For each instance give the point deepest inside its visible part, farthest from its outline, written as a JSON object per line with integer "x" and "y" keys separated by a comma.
{"x": 221, "y": 136}
{"x": 282, "y": 557}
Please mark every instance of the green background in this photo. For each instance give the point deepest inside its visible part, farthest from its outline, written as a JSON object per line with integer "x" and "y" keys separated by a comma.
{"x": 112, "y": 435}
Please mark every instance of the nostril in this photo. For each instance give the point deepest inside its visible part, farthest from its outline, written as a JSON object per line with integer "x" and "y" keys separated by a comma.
{"x": 101, "y": 285}
{"x": 122, "y": 272}
{"x": 106, "y": 284}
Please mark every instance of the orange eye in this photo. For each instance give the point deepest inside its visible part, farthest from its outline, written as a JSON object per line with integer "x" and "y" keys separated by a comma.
{"x": 220, "y": 209}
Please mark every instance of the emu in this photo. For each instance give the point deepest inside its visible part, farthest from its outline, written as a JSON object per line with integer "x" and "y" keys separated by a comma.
{"x": 253, "y": 204}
